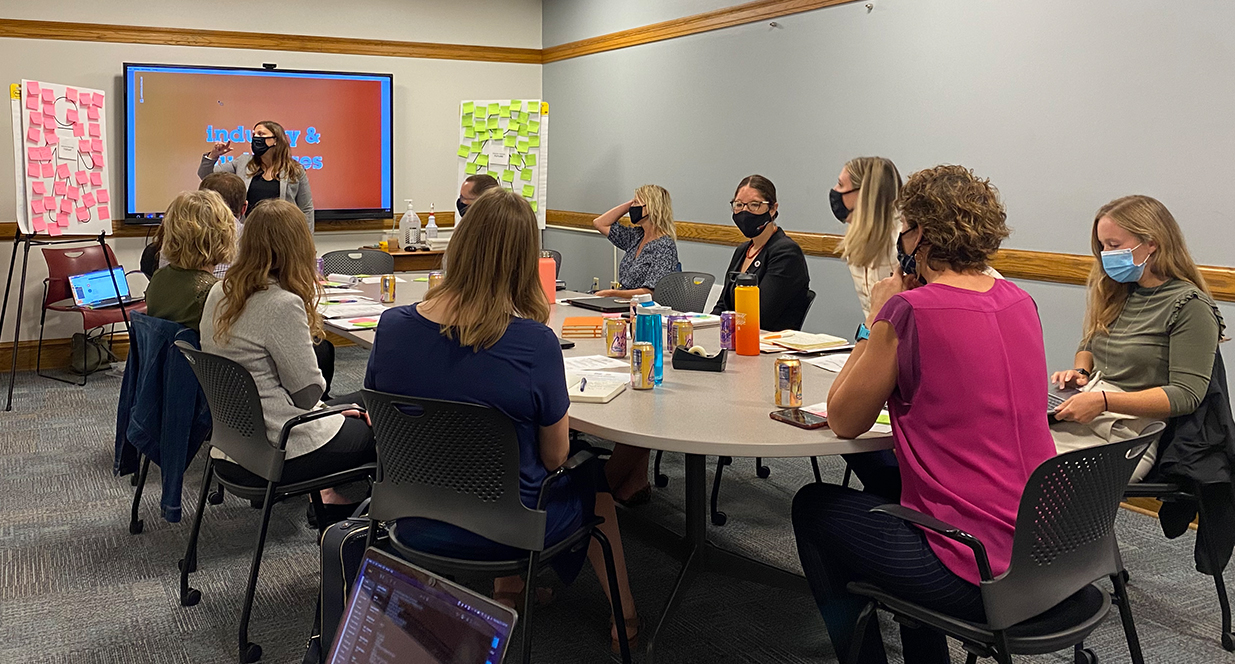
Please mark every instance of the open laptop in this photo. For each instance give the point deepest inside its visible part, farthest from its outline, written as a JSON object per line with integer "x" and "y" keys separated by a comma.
{"x": 1055, "y": 396}
{"x": 605, "y": 305}
{"x": 400, "y": 614}
{"x": 95, "y": 290}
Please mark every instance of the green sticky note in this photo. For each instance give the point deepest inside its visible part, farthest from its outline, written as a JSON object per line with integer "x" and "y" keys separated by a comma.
{"x": 529, "y": 191}
{"x": 468, "y": 107}
{"x": 523, "y": 130}
{"x": 508, "y": 176}
{"x": 526, "y": 175}
{"x": 516, "y": 105}
{"x": 421, "y": 279}
{"x": 469, "y": 133}
{"x": 496, "y": 134}
{"x": 523, "y": 117}
{"x": 508, "y": 141}
{"x": 534, "y": 126}
{"x": 477, "y": 146}
{"x": 482, "y": 160}
{"x": 494, "y": 122}
{"x": 513, "y": 126}
{"x": 516, "y": 160}
{"x": 533, "y": 107}
{"x": 467, "y": 120}
{"x": 464, "y": 150}
{"x": 883, "y": 418}
{"x": 534, "y": 141}
{"x": 480, "y": 126}
{"x": 522, "y": 146}
{"x": 529, "y": 160}
{"x": 504, "y": 112}
{"x": 471, "y": 168}
{"x": 494, "y": 108}
{"x": 533, "y": 203}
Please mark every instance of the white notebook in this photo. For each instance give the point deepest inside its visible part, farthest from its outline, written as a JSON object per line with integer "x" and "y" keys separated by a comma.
{"x": 595, "y": 387}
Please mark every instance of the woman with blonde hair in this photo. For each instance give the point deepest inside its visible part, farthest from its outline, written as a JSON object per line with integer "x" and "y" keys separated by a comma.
{"x": 268, "y": 168}
{"x": 481, "y": 337}
{"x": 864, "y": 199}
{"x": 1151, "y": 326}
{"x": 263, "y": 315}
{"x": 198, "y": 233}
{"x": 650, "y": 244}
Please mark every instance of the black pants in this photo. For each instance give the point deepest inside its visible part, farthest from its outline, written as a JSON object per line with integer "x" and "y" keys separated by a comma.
{"x": 324, "y": 350}
{"x": 840, "y": 540}
{"x": 879, "y": 473}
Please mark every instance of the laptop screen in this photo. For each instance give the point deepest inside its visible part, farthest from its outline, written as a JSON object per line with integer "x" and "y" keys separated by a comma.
{"x": 94, "y": 289}
{"x": 399, "y": 614}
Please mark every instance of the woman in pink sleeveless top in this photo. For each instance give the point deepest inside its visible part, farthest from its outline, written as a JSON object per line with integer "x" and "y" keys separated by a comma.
{"x": 961, "y": 365}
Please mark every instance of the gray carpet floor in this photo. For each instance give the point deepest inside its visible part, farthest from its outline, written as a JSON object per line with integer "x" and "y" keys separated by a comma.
{"x": 76, "y": 587}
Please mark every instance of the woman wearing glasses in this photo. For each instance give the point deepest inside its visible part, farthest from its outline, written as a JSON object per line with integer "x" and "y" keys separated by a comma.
{"x": 773, "y": 257}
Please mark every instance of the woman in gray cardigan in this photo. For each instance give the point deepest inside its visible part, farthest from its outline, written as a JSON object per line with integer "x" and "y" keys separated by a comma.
{"x": 269, "y": 171}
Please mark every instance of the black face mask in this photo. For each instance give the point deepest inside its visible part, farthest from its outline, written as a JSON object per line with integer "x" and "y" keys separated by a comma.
{"x": 751, "y": 224}
{"x": 461, "y": 207}
{"x": 636, "y": 214}
{"x": 259, "y": 145}
{"x": 836, "y": 198}
{"x": 909, "y": 264}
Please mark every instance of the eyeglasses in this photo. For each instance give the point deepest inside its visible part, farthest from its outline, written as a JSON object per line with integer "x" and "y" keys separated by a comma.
{"x": 754, "y": 206}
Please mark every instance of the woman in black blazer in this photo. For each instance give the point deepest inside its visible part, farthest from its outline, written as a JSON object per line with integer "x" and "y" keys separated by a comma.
{"x": 773, "y": 257}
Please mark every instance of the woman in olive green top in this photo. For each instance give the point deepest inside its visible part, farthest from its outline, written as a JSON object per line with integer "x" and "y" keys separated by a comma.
{"x": 199, "y": 232}
{"x": 1151, "y": 326}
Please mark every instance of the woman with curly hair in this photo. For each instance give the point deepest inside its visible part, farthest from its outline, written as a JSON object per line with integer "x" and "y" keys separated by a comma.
{"x": 931, "y": 353}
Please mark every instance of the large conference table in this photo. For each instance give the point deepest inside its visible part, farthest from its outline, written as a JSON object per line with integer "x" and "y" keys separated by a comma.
{"x": 697, "y": 414}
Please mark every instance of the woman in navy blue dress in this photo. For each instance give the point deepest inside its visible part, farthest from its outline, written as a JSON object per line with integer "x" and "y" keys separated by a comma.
{"x": 481, "y": 337}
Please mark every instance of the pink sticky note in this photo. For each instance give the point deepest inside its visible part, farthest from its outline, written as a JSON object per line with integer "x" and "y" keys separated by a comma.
{"x": 71, "y": 115}
{"x": 49, "y": 203}
{"x": 38, "y": 187}
{"x": 49, "y": 171}
{"x": 34, "y": 135}
{"x": 104, "y": 212}
{"x": 66, "y": 206}
{"x": 98, "y": 161}
{"x": 96, "y": 179}
{"x": 83, "y": 214}
{"x": 81, "y": 177}
{"x": 79, "y": 129}
{"x": 32, "y": 154}
{"x": 92, "y": 113}
{"x": 62, "y": 171}
{"x": 74, "y": 193}
{"x": 32, "y": 169}
{"x": 103, "y": 196}
{"x": 44, "y": 154}
{"x": 50, "y": 135}
{"x": 48, "y": 96}
{"x": 61, "y": 188}
{"x": 49, "y": 122}
{"x": 38, "y": 223}
{"x": 36, "y": 206}
{"x": 32, "y": 103}
{"x": 49, "y": 109}
{"x": 98, "y": 99}
{"x": 94, "y": 130}
{"x": 96, "y": 145}
{"x": 88, "y": 200}
{"x": 32, "y": 88}
{"x": 36, "y": 119}
{"x": 53, "y": 231}
{"x": 70, "y": 94}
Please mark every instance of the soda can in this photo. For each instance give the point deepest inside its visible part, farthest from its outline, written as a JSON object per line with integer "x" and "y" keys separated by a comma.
{"x": 615, "y": 336}
{"x": 436, "y": 278}
{"x": 388, "y": 289}
{"x": 669, "y": 321}
{"x": 682, "y": 333}
{"x": 728, "y": 329}
{"x": 321, "y": 266}
{"x": 642, "y": 365}
{"x": 788, "y": 382}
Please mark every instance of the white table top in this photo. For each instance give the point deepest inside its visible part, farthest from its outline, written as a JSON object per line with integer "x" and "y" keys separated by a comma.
{"x": 694, "y": 412}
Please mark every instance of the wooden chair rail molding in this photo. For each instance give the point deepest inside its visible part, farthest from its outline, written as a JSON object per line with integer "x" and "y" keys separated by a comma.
{"x": 445, "y": 219}
{"x": 133, "y": 34}
{"x": 1012, "y": 263}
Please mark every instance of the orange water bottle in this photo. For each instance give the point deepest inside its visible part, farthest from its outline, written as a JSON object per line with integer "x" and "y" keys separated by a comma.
{"x": 746, "y": 304}
{"x": 548, "y": 276}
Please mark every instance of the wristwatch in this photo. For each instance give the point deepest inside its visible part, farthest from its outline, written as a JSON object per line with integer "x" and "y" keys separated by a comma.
{"x": 1083, "y": 372}
{"x": 862, "y": 334}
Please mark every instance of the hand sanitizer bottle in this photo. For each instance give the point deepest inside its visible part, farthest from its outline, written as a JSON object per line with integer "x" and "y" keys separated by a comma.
{"x": 431, "y": 228}
{"x": 409, "y": 226}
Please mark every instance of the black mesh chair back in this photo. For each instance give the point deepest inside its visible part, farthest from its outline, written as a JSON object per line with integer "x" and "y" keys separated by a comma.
{"x": 358, "y": 261}
{"x": 557, "y": 260}
{"x": 452, "y": 462}
{"x": 1065, "y": 529}
{"x": 684, "y": 291}
{"x": 239, "y": 427}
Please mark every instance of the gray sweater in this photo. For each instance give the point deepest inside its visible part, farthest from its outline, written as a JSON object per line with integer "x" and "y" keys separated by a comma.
{"x": 297, "y": 191}
{"x": 271, "y": 339}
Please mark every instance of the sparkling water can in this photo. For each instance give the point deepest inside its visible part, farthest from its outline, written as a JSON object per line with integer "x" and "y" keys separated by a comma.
{"x": 642, "y": 365}
{"x": 388, "y": 289}
{"x": 615, "y": 336}
{"x": 681, "y": 333}
{"x": 788, "y": 382}
{"x": 728, "y": 329}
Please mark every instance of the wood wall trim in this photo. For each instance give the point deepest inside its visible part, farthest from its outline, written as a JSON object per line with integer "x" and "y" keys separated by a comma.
{"x": 1047, "y": 266}
{"x": 132, "y": 34}
{"x": 56, "y": 353}
{"x": 750, "y": 12}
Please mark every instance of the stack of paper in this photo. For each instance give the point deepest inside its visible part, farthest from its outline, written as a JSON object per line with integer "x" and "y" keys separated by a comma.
{"x": 595, "y": 386}
{"x": 332, "y": 310}
{"x": 583, "y": 327}
{"x": 351, "y": 324}
{"x": 699, "y": 321}
{"x": 803, "y": 341}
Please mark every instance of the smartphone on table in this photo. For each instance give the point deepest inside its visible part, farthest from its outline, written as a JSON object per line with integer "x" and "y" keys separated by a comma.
{"x": 799, "y": 418}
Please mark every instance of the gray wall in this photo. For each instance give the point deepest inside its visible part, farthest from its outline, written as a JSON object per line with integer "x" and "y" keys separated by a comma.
{"x": 1063, "y": 105}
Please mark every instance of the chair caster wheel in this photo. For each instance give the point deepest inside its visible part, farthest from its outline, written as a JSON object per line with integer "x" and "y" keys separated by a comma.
{"x": 252, "y": 652}
{"x": 1086, "y": 656}
{"x": 215, "y": 498}
{"x": 136, "y": 527}
{"x": 256, "y": 503}
{"x": 662, "y": 481}
{"x": 719, "y": 518}
{"x": 191, "y": 598}
{"x": 763, "y": 472}
{"x": 180, "y": 566}
{"x": 1123, "y": 574}
{"x": 1228, "y": 642}
{"x": 133, "y": 479}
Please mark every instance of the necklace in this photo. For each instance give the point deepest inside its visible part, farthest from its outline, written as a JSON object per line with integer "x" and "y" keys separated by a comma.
{"x": 757, "y": 250}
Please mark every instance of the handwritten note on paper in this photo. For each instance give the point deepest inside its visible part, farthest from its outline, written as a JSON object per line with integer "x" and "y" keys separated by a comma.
{"x": 503, "y": 112}
{"x": 529, "y": 160}
{"x": 81, "y": 176}
{"x": 61, "y": 188}
{"x": 32, "y": 88}
{"x": 71, "y": 116}
{"x": 529, "y": 191}
{"x": 468, "y": 107}
{"x": 482, "y": 160}
{"x": 464, "y": 150}
{"x": 49, "y": 170}
{"x": 48, "y": 96}
{"x": 36, "y": 119}
{"x": 73, "y": 194}
{"x": 39, "y": 187}
{"x": 516, "y": 105}
{"x": 37, "y": 222}
{"x": 32, "y": 169}
{"x": 70, "y": 94}
{"x": 526, "y": 174}
{"x": 54, "y": 231}
{"x": 92, "y": 113}
{"x": 36, "y": 206}
{"x": 508, "y": 176}
{"x": 494, "y": 108}
{"x": 51, "y": 137}
{"x": 79, "y": 129}
{"x": 534, "y": 141}
{"x": 470, "y": 169}
{"x": 66, "y": 206}
{"x": 83, "y": 214}
{"x": 32, "y": 103}
{"x": 34, "y": 135}
{"x": 94, "y": 130}
{"x": 88, "y": 200}
{"x": 62, "y": 171}
{"x": 534, "y": 127}
{"x": 523, "y": 146}
{"x": 508, "y": 141}
{"x": 96, "y": 179}
{"x": 103, "y": 196}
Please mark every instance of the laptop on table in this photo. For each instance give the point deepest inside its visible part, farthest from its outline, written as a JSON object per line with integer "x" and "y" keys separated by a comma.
{"x": 96, "y": 290}
{"x": 401, "y": 614}
{"x": 606, "y": 305}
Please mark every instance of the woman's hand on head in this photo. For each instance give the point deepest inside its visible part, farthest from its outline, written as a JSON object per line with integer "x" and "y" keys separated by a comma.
{"x": 220, "y": 149}
{"x": 1069, "y": 378}
{"x": 1083, "y": 407}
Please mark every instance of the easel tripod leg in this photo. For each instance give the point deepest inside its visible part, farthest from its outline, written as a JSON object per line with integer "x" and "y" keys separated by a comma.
{"x": 21, "y": 297}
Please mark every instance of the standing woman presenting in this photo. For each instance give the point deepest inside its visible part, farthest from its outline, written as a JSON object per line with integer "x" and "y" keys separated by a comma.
{"x": 863, "y": 199}
{"x": 268, "y": 170}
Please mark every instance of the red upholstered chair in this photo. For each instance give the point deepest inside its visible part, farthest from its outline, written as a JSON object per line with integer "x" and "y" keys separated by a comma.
{"x": 57, "y": 296}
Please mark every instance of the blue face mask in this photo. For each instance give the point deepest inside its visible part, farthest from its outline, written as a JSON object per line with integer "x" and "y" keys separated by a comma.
{"x": 1120, "y": 266}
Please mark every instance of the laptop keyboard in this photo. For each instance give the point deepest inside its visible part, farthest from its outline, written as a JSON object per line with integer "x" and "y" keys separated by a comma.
{"x": 1054, "y": 400}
